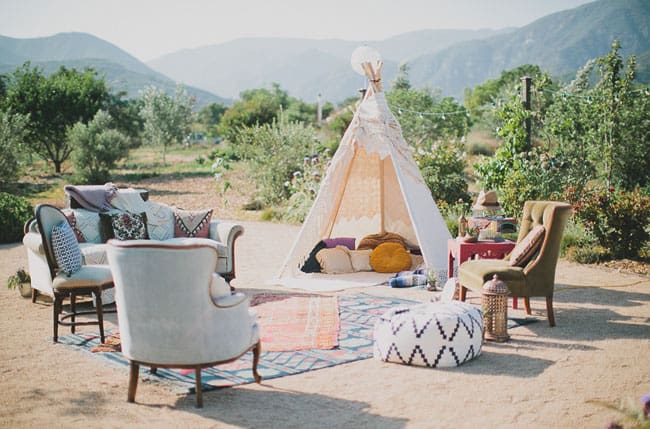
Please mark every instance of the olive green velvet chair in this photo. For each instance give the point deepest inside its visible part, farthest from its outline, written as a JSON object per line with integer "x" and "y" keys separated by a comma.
{"x": 537, "y": 277}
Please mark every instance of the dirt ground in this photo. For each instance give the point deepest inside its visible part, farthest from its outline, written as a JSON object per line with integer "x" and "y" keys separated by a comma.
{"x": 543, "y": 377}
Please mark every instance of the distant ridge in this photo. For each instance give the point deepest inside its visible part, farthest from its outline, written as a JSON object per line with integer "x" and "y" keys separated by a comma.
{"x": 559, "y": 43}
{"x": 79, "y": 50}
{"x": 450, "y": 60}
{"x": 305, "y": 67}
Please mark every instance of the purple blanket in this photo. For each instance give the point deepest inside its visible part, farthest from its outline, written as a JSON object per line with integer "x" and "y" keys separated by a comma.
{"x": 96, "y": 198}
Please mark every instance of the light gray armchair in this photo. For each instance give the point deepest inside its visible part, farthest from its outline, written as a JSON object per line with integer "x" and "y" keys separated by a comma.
{"x": 175, "y": 312}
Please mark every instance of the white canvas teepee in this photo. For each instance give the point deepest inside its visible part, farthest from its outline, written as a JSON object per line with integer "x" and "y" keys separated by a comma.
{"x": 373, "y": 185}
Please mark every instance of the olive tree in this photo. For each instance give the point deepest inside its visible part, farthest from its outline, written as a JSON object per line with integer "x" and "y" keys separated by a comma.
{"x": 167, "y": 119}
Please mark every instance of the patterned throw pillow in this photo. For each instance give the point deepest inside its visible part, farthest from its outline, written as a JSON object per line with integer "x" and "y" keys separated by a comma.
{"x": 526, "y": 248}
{"x": 66, "y": 248}
{"x": 189, "y": 223}
{"x": 123, "y": 226}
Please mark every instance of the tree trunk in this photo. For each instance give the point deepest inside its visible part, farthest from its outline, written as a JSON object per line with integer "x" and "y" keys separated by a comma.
{"x": 57, "y": 166}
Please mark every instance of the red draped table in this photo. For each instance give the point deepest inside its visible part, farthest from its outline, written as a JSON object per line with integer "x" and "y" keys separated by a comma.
{"x": 484, "y": 249}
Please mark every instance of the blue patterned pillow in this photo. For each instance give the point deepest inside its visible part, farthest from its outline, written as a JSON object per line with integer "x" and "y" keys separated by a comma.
{"x": 66, "y": 248}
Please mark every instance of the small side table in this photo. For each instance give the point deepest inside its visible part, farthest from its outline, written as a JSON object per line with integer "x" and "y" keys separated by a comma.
{"x": 484, "y": 249}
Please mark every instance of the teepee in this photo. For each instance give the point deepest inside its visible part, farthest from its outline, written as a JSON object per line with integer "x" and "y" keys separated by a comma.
{"x": 373, "y": 185}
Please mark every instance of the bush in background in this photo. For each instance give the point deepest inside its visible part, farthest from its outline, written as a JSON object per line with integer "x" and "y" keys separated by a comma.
{"x": 12, "y": 132}
{"x": 619, "y": 220}
{"x": 96, "y": 148}
{"x": 14, "y": 212}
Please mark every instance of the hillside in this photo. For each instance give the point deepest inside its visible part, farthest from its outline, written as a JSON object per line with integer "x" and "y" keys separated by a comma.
{"x": 79, "y": 50}
{"x": 304, "y": 67}
{"x": 559, "y": 43}
{"x": 451, "y": 60}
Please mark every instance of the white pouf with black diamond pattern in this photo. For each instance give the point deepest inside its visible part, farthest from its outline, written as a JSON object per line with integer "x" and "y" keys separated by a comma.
{"x": 435, "y": 334}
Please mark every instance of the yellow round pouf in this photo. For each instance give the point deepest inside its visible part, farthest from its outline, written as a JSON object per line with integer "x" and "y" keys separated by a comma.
{"x": 390, "y": 258}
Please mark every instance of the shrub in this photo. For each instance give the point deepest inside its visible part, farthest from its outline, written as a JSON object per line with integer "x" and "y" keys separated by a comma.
{"x": 587, "y": 255}
{"x": 14, "y": 212}
{"x": 277, "y": 154}
{"x": 575, "y": 235}
{"x": 618, "y": 220}
{"x": 97, "y": 148}
{"x": 12, "y": 133}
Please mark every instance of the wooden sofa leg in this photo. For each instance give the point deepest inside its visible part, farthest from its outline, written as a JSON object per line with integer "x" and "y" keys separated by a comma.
{"x": 56, "y": 310}
{"x": 257, "y": 350}
{"x": 199, "y": 389}
{"x": 462, "y": 293}
{"x": 527, "y": 305}
{"x": 134, "y": 372}
{"x": 549, "y": 311}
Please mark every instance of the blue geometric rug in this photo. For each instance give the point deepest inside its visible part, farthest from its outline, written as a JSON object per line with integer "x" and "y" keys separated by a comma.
{"x": 357, "y": 319}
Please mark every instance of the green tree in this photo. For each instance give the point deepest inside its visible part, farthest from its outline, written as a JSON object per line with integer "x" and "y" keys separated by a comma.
{"x": 256, "y": 107}
{"x": 167, "y": 119}
{"x": 97, "y": 148}
{"x": 602, "y": 131}
{"x": 125, "y": 114}
{"x": 210, "y": 117}
{"x": 435, "y": 128}
{"x": 12, "y": 133}
{"x": 54, "y": 103}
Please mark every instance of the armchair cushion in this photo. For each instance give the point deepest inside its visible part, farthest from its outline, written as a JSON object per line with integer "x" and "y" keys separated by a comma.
{"x": 526, "y": 248}
{"x": 87, "y": 275}
{"x": 66, "y": 248}
{"x": 188, "y": 223}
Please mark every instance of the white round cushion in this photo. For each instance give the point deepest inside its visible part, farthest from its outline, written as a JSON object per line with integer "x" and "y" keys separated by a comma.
{"x": 435, "y": 334}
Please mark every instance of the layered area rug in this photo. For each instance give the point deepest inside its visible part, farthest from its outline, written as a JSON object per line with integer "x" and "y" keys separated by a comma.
{"x": 357, "y": 315}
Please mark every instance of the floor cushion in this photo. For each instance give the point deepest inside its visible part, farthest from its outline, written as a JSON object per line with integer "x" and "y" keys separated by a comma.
{"x": 435, "y": 334}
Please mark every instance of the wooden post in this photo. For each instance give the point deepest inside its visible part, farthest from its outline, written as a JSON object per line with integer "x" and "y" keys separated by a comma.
{"x": 525, "y": 96}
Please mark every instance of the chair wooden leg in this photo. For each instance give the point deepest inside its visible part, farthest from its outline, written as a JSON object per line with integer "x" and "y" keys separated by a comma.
{"x": 100, "y": 313}
{"x": 134, "y": 373}
{"x": 527, "y": 305}
{"x": 462, "y": 293}
{"x": 153, "y": 370}
{"x": 73, "y": 311}
{"x": 549, "y": 310}
{"x": 34, "y": 295}
{"x": 56, "y": 310}
{"x": 199, "y": 390}
{"x": 257, "y": 350}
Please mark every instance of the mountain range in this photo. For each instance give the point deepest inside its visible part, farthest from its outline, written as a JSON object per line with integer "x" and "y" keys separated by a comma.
{"x": 449, "y": 60}
{"x": 122, "y": 71}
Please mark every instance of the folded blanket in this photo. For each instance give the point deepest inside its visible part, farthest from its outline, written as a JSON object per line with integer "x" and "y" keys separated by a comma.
{"x": 408, "y": 280}
{"x": 95, "y": 198}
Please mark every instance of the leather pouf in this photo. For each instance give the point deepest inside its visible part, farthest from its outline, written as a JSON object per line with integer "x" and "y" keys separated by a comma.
{"x": 436, "y": 334}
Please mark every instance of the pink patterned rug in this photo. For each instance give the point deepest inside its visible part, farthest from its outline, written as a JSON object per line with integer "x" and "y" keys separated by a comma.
{"x": 297, "y": 321}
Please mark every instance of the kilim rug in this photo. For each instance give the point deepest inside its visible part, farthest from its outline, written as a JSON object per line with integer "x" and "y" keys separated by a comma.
{"x": 297, "y": 322}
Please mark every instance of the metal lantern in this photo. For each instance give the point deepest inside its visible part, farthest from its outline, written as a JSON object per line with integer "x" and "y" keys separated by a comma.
{"x": 495, "y": 310}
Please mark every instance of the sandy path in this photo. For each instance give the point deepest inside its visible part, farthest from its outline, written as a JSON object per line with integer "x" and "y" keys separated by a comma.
{"x": 543, "y": 377}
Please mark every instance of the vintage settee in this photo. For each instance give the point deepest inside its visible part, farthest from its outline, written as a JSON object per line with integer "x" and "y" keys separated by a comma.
{"x": 160, "y": 220}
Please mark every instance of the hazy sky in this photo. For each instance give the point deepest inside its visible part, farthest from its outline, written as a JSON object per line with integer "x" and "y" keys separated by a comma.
{"x": 150, "y": 28}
